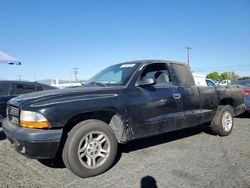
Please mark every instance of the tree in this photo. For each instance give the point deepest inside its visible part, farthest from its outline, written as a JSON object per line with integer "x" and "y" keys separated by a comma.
{"x": 224, "y": 76}
{"x": 244, "y": 78}
{"x": 214, "y": 76}
{"x": 233, "y": 76}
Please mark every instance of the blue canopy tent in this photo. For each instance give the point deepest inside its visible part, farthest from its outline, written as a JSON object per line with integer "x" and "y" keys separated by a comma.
{"x": 5, "y": 58}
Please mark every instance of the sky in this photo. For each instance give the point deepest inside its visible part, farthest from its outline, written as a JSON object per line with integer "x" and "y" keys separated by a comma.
{"x": 51, "y": 38}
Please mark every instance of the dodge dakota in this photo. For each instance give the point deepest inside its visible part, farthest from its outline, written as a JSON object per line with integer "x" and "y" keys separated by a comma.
{"x": 123, "y": 102}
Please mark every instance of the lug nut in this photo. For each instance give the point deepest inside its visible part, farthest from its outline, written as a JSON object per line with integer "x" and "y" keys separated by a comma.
{"x": 91, "y": 153}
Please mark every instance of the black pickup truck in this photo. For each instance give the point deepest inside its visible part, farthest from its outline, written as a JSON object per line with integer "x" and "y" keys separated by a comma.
{"x": 121, "y": 103}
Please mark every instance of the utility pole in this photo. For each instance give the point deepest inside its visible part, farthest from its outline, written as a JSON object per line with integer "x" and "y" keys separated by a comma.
{"x": 75, "y": 70}
{"x": 188, "y": 48}
{"x": 34, "y": 76}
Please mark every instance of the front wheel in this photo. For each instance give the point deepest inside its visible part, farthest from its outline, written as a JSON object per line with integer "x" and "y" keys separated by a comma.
{"x": 90, "y": 148}
{"x": 223, "y": 121}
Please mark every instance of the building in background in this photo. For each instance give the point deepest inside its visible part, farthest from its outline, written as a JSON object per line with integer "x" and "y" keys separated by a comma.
{"x": 65, "y": 85}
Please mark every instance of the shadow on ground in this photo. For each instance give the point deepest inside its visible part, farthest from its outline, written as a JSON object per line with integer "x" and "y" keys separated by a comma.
{"x": 2, "y": 135}
{"x": 164, "y": 138}
{"x": 244, "y": 115}
{"x": 53, "y": 163}
{"x": 138, "y": 144}
{"x": 148, "y": 182}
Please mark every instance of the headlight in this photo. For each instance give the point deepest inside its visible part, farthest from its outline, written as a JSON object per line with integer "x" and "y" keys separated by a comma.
{"x": 34, "y": 120}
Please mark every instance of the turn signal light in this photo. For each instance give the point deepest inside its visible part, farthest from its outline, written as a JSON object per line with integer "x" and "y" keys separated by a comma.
{"x": 35, "y": 125}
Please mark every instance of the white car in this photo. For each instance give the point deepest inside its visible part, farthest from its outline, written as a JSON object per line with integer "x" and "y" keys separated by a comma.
{"x": 210, "y": 83}
{"x": 201, "y": 80}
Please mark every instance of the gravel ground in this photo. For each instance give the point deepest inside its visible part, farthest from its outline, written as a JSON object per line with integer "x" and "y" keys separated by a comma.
{"x": 187, "y": 158}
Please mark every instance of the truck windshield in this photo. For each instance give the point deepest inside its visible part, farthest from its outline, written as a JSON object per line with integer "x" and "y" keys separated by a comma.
{"x": 114, "y": 75}
{"x": 4, "y": 88}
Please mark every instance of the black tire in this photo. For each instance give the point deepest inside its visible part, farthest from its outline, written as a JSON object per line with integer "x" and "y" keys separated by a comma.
{"x": 217, "y": 123}
{"x": 74, "y": 143}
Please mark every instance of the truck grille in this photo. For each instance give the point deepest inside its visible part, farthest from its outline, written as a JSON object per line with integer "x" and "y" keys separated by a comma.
{"x": 13, "y": 114}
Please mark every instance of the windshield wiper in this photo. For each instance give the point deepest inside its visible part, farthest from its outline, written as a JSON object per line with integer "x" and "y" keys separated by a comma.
{"x": 97, "y": 83}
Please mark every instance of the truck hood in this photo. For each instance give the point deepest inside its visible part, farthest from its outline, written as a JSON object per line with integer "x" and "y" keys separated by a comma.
{"x": 54, "y": 96}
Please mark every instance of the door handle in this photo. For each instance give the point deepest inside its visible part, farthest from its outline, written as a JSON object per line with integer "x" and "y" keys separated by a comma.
{"x": 176, "y": 95}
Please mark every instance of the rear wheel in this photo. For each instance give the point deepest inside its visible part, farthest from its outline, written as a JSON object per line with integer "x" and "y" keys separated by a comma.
{"x": 90, "y": 148}
{"x": 223, "y": 122}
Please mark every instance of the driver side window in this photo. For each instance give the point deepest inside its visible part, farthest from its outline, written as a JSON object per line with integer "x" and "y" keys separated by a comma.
{"x": 159, "y": 72}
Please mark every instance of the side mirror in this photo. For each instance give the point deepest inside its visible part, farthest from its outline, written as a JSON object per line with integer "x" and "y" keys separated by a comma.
{"x": 146, "y": 82}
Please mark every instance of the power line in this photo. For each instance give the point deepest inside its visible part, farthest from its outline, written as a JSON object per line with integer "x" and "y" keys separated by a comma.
{"x": 225, "y": 66}
{"x": 245, "y": 67}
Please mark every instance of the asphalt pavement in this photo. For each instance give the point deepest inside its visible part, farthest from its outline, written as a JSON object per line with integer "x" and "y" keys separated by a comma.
{"x": 187, "y": 158}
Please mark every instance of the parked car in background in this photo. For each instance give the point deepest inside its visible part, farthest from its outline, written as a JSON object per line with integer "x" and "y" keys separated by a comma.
{"x": 10, "y": 89}
{"x": 245, "y": 86}
{"x": 224, "y": 82}
{"x": 210, "y": 83}
{"x": 217, "y": 82}
{"x": 201, "y": 80}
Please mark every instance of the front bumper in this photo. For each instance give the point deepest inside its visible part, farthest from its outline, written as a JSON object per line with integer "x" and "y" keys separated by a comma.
{"x": 33, "y": 143}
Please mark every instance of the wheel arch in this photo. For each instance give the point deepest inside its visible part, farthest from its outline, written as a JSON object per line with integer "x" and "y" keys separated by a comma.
{"x": 228, "y": 101}
{"x": 109, "y": 116}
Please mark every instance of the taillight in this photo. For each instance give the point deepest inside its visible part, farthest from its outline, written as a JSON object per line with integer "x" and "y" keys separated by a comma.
{"x": 247, "y": 92}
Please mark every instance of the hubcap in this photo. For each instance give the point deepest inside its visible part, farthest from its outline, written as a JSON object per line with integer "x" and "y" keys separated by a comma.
{"x": 227, "y": 121}
{"x": 93, "y": 149}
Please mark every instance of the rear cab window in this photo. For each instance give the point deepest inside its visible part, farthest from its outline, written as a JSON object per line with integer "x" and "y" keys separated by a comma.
{"x": 183, "y": 75}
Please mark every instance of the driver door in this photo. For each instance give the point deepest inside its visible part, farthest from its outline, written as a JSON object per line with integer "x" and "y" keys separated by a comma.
{"x": 157, "y": 108}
